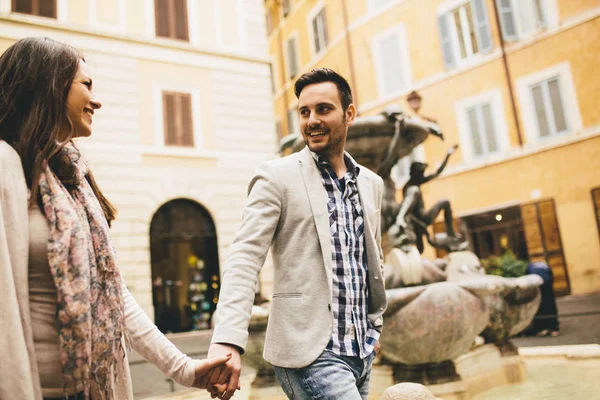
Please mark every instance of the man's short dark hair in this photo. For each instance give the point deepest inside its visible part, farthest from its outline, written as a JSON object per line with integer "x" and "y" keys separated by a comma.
{"x": 320, "y": 75}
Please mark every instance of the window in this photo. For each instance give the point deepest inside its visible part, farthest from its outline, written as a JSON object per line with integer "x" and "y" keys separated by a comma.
{"x": 482, "y": 125}
{"x": 41, "y": 8}
{"x": 318, "y": 29}
{"x": 286, "y": 6}
{"x": 292, "y": 57}
{"x": 293, "y": 123}
{"x": 548, "y": 106}
{"x": 177, "y": 119}
{"x": 392, "y": 61}
{"x": 464, "y": 32}
{"x": 521, "y": 18}
{"x": 171, "y": 19}
{"x": 481, "y": 129}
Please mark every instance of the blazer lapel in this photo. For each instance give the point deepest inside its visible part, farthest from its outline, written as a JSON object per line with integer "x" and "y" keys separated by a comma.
{"x": 318, "y": 203}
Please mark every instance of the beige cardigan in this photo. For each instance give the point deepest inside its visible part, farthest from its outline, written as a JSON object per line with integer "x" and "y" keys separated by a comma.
{"x": 19, "y": 377}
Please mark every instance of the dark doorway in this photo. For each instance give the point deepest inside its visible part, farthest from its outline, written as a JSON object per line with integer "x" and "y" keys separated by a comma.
{"x": 185, "y": 266}
{"x": 493, "y": 232}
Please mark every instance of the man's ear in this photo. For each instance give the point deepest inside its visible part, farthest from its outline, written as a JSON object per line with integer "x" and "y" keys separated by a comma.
{"x": 350, "y": 114}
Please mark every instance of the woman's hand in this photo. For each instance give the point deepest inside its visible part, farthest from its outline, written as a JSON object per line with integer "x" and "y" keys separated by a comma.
{"x": 205, "y": 368}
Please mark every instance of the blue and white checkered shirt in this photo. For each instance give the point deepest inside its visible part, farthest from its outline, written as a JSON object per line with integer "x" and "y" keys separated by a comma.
{"x": 352, "y": 333}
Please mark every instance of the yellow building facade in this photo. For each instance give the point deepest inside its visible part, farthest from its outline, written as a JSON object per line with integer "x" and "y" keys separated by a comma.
{"x": 513, "y": 82}
{"x": 186, "y": 118}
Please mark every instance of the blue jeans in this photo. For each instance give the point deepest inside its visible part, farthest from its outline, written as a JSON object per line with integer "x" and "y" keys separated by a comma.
{"x": 329, "y": 377}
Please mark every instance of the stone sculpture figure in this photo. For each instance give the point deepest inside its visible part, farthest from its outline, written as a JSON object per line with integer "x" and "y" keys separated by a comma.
{"x": 413, "y": 219}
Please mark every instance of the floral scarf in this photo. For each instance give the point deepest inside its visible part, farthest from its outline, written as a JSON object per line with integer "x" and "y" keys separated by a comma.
{"x": 83, "y": 266}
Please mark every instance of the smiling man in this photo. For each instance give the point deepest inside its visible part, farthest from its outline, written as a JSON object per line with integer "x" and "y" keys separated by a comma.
{"x": 319, "y": 212}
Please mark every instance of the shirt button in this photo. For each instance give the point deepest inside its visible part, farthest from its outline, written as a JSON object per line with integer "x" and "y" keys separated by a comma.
{"x": 376, "y": 278}
{"x": 329, "y": 307}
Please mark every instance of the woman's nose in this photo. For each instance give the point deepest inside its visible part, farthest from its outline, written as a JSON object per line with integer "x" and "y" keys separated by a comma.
{"x": 96, "y": 104}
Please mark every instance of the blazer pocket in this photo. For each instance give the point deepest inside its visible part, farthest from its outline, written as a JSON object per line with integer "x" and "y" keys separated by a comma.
{"x": 287, "y": 295}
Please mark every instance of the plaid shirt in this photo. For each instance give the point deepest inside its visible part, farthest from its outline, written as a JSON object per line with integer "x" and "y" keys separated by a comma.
{"x": 352, "y": 333}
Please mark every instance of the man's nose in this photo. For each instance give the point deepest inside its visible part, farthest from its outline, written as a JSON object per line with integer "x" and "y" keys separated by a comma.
{"x": 313, "y": 119}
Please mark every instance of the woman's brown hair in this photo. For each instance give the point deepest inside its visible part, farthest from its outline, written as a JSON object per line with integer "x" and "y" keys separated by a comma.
{"x": 35, "y": 78}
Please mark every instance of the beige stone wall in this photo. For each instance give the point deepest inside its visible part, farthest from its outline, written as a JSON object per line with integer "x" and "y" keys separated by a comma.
{"x": 234, "y": 116}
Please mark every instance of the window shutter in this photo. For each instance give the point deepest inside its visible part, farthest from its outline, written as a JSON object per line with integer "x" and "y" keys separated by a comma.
{"x": 292, "y": 59}
{"x": 507, "y": 19}
{"x": 181, "y": 20}
{"x": 42, "y": 8}
{"x": 315, "y": 28}
{"x": 560, "y": 121}
{"x": 324, "y": 27}
{"x": 170, "y": 128}
{"x": 482, "y": 26}
{"x": 161, "y": 17}
{"x": 47, "y": 8}
{"x": 187, "y": 127}
{"x": 446, "y": 42}
{"x": 540, "y": 110}
{"x": 23, "y": 6}
{"x": 474, "y": 130}
{"x": 490, "y": 132}
{"x": 540, "y": 12}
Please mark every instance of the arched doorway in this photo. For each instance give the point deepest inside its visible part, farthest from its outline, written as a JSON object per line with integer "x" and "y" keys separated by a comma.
{"x": 185, "y": 266}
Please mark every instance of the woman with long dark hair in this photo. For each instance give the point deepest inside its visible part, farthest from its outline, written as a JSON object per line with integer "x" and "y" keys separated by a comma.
{"x": 66, "y": 314}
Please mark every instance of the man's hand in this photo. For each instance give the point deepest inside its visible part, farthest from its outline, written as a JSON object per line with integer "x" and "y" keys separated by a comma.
{"x": 377, "y": 347}
{"x": 229, "y": 373}
{"x": 204, "y": 369}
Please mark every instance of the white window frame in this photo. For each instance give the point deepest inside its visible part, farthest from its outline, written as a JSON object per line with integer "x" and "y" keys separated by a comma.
{"x": 293, "y": 35}
{"x": 62, "y": 11}
{"x": 494, "y": 98}
{"x": 520, "y": 12}
{"x": 120, "y": 27}
{"x": 159, "y": 146}
{"x": 568, "y": 98}
{"x": 417, "y": 154}
{"x": 311, "y": 35}
{"x": 242, "y": 36}
{"x": 444, "y": 10}
{"x": 400, "y": 32}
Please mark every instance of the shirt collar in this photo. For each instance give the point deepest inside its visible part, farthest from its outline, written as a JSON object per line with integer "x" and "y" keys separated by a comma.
{"x": 351, "y": 165}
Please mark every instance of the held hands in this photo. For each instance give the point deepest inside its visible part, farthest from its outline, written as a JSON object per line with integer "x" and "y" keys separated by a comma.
{"x": 224, "y": 380}
{"x": 205, "y": 368}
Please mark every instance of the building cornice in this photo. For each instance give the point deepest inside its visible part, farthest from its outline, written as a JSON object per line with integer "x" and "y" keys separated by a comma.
{"x": 23, "y": 25}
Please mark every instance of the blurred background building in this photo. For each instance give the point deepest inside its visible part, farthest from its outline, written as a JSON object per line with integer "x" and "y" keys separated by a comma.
{"x": 513, "y": 82}
{"x": 186, "y": 118}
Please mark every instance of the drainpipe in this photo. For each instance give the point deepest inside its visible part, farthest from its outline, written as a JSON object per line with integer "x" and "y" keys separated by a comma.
{"x": 350, "y": 58}
{"x": 507, "y": 72}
